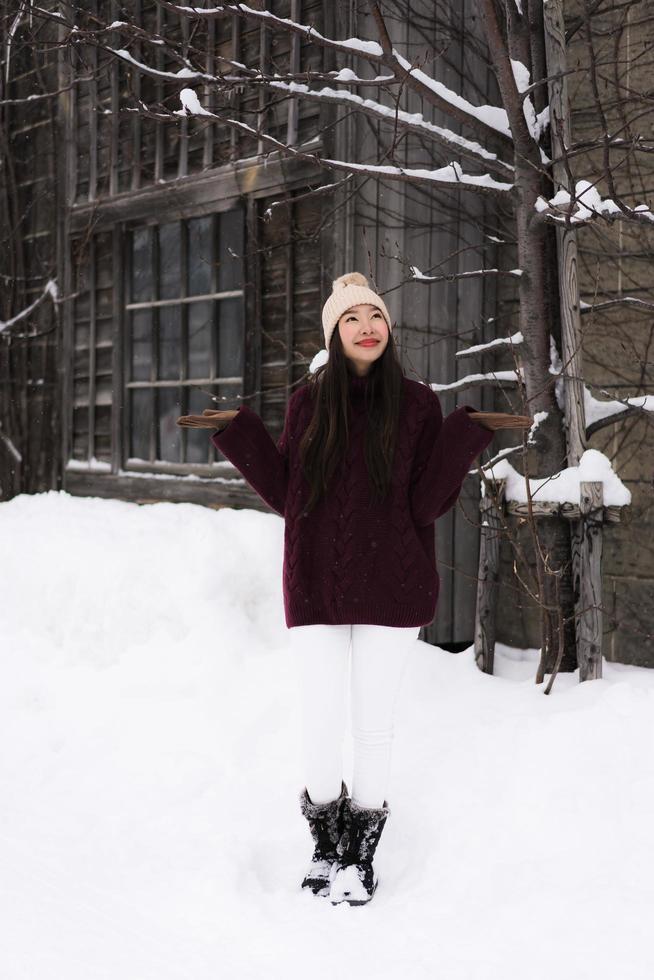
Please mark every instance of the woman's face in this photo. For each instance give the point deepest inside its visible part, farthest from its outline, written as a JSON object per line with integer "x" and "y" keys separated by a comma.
{"x": 359, "y": 327}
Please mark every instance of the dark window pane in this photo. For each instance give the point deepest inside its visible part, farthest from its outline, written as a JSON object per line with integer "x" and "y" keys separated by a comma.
{"x": 230, "y": 251}
{"x": 169, "y": 432}
{"x": 199, "y": 339}
{"x": 170, "y": 347}
{"x": 198, "y": 441}
{"x": 141, "y": 423}
{"x": 141, "y": 345}
{"x": 226, "y": 397}
{"x": 230, "y": 337}
{"x": 200, "y": 255}
{"x": 142, "y": 290}
{"x": 169, "y": 261}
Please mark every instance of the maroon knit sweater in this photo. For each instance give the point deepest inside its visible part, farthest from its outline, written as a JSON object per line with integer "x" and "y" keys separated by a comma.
{"x": 352, "y": 559}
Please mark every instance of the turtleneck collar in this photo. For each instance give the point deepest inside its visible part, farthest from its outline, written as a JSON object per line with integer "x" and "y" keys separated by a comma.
{"x": 358, "y": 384}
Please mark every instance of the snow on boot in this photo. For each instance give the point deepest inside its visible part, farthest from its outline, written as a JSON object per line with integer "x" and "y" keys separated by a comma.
{"x": 355, "y": 880}
{"x": 326, "y": 826}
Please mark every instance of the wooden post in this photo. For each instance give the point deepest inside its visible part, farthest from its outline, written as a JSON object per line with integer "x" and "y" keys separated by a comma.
{"x": 566, "y": 238}
{"x": 488, "y": 578}
{"x": 588, "y": 581}
{"x": 586, "y": 534}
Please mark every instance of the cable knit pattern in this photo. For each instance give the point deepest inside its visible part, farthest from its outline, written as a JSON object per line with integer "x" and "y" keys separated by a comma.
{"x": 405, "y": 574}
{"x": 354, "y": 559}
{"x": 345, "y": 514}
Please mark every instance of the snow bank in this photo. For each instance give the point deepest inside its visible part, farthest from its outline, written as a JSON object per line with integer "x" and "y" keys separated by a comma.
{"x": 150, "y": 760}
{"x": 563, "y": 487}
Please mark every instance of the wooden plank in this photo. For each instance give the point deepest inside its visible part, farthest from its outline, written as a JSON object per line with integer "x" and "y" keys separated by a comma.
{"x": 294, "y": 67}
{"x": 160, "y": 92}
{"x": 290, "y": 250}
{"x": 93, "y": 121}
{"x": 488, "y": 577}
{"x": 234, "y": 141}
{"x": 115, "y": 105}
{"x": 67, "y": 182}
{"x": 207, "y": 152}
{"x": 191, "y": 196}
{"x": 182, "y": 149}
{"x": 545, "y": 508}
{"x": 91, "y": 348}
{"x": 263, "y": 96}
{"x": 253, "y": 324}
{"x": 588, "y": 582}
{"x": 227, "y": 491}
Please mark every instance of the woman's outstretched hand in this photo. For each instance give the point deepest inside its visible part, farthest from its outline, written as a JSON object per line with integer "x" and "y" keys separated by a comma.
{"x": 500, "y": 420}
{"x": 210, "y": 419}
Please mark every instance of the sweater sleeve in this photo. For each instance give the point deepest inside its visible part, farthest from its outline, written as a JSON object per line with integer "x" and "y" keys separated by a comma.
{"x": 263, "y": 463}
{"x": 445, "y": 452}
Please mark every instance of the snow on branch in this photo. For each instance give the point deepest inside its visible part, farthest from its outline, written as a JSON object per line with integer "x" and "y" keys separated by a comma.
{"x": 493, "y": 117}
{"x": 536, "y": 123}
{"x": 450, "y": 174}
{"x": 500, "y": 342}
{"x": 586, "y": 205}
{"x": 479, "y": 380}
{"x": 564, "y": 486}
{"x": 644, "y": 304}
{"x": 601, "y": 413}
{"x": 419, "y": 276}
{"x": 413, "y": 121}
{"x": 173, "y": 76}
{"x": 489, "y": 118}
{"x": 50, "y": 289}
{"x": 370, "y": 50}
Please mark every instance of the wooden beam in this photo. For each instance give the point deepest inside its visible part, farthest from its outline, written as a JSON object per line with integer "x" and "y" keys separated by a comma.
{"x": 92, "y": 344}
{"x": 67, "y": 188}
{"x": 588, "y": 582}
{"x": 294, "y": 68}
{"x": 189, "y": 197}
{"x": 488, "y": 578}
{"x": 547, "y": 508}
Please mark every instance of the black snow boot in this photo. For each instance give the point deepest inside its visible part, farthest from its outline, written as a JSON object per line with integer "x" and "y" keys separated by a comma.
{"x": 326, "y": 825}
{"x": 355, "y": 881}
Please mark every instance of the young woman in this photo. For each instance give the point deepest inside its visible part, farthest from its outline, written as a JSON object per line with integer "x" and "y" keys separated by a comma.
{"x": 364, "y": 466}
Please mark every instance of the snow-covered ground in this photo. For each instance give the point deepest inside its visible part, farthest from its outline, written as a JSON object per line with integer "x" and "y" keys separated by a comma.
{"x": 149, "y": 823}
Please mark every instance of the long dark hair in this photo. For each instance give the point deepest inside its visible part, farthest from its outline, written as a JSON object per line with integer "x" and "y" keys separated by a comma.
{"x": 325, "y": 441}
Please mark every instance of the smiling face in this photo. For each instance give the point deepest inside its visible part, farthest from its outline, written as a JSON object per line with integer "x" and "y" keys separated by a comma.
{"x": 358, "y": 327}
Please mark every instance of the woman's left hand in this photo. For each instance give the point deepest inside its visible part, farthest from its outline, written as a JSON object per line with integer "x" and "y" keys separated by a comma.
{"x": 500, "y": 420}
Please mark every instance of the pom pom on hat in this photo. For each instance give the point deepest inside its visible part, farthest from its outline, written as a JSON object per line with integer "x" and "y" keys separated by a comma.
{"x": 349, "y": 290}
{"x": 350, "y": 279}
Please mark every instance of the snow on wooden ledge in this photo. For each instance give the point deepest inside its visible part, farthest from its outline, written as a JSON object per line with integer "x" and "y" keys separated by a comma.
{"x": 563, "y": 487}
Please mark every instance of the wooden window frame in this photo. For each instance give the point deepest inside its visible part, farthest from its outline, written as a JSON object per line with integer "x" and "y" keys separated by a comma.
{"x": 184, "y": 383}
{"x": 237, "y": 182}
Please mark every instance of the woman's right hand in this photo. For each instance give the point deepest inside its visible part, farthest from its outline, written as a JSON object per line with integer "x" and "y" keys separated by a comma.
{"x": 210, "y": 419}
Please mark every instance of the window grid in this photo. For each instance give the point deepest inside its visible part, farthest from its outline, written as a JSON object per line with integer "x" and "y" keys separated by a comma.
{"x": 109, "y": 163}
{"x": 154, "y": 388}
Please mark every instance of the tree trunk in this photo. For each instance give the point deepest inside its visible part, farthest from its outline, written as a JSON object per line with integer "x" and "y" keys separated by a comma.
{"x": 550, "y": 454}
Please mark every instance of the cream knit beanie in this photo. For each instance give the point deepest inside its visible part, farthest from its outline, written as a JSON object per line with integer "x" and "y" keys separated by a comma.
{"x": 347, "y": 291}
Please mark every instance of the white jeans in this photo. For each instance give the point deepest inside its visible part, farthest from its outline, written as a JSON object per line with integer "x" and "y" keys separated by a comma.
{"x": 322, "y": 662}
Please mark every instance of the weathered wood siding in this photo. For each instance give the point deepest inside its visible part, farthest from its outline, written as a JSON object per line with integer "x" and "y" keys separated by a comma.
{"x": 29, "y": 383}
{"x": 394, "y": 225}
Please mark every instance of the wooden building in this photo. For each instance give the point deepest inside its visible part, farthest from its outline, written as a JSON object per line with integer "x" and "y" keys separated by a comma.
{"x": 190, "y": 265}
{"x": 189, "y": 262}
